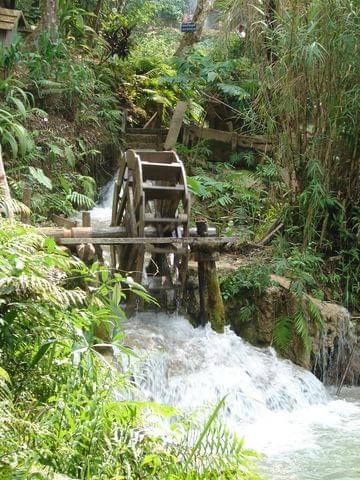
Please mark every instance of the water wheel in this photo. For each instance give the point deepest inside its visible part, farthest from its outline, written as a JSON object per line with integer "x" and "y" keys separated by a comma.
{"x": 151, "y": 193}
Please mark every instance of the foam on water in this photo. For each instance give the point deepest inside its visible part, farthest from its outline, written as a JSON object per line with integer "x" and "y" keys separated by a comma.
{"x": 101, "y": 213}
{"x": 280, "y": 408}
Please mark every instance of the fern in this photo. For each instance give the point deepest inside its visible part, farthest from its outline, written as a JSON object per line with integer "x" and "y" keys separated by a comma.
{"x": 233, "y": 91}
{"x": 11, "y": 205}
{"x": 283, "y": 332}
{"x": 38, "y": 175}
{"x": 80, "y": 200}
{"x": 314, "y": 312}
{"x": 302, "y": 328}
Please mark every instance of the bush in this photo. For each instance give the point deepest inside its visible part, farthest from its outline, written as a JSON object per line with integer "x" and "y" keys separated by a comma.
{"x": 63, "y": 407}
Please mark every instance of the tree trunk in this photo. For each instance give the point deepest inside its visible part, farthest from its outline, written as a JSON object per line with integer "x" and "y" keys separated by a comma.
{"x": 271, "y": 23}
{"x": 189, "y": 39}
{"x": 96, "y": 18}
{"x": 4, "y": 186}
{"x": 48, "y": 21}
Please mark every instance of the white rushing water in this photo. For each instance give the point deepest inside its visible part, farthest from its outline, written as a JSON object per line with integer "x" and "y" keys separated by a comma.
{"x": 282, "y": 410}
{"x": 101, "y": 213}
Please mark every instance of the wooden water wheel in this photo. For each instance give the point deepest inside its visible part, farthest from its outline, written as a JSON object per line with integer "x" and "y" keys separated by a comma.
{"x": 151, "y": 193}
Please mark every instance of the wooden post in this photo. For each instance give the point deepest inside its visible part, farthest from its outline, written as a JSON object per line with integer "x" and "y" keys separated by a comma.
{"x": 215, "y": 304}
{"x": 203, "y": 318}
{"x": 211, "y": 303}
{"x": 86, "y": 219}
{"x": 175, "y": 125}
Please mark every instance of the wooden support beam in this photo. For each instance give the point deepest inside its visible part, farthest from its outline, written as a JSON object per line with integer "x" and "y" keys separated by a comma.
{"x": 211, "y": 303}
{"x": 235, "y": 139}
{"x": 86, "y": 218}
{"x": 219, "y": 241}
{"x": 175, "y": 125}
{"x": 203, "y": 317}
{"x": 110, "y": 232}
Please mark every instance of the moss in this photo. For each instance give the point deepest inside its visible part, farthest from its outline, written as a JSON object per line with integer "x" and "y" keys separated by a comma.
{"x": 215, "y": 304}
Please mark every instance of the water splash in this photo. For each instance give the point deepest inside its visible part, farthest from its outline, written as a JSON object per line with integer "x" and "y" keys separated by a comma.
{"x": 101, "y": 213}
{"x": 282, "y": 410}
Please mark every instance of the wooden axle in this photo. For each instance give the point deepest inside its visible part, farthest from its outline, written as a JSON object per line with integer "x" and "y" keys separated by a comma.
{"x": 78, "y": 234}
{"x": 147, "y": 240}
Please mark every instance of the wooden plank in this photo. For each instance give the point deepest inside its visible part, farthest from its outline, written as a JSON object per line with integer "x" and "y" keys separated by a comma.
{"x": 161, "y": 171}
{"x": 147, "y": 131}
{"x": 211, "y": 134}
{"x": 246, "y": 141}
{"x": 175, "y": 125}
{"x": 159, "y": 192}
{"x": 149, "y": 241}
{"x": 8, "y": 11}
{"x": 167, "y": 221}
{"x": 112, "y": 232}
{"x": 150, "y": 122}
{"x": 6, "y": 25}
{"x": 152, "y": 156}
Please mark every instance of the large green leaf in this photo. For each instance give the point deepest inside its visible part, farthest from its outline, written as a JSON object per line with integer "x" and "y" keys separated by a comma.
{"x": 40, "y": 177}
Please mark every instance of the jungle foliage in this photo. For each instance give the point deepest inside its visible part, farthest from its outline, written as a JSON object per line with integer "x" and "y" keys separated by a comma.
{"x": 292, "y": 78}
{"x": 64, "y": 408}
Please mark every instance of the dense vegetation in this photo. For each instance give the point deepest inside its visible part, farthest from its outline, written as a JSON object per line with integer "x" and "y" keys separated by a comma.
{"x": 286, "y": 72}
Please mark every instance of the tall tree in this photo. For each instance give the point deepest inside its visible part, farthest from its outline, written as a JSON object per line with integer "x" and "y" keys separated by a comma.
{"x": 189, "y": 39}
{"x": 48, "y": 21}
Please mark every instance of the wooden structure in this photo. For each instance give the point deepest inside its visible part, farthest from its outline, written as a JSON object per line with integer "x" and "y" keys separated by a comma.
{"x": 192, "y": 133}
{"x": 12, "y": 23}
{"x": 151, "y": 191}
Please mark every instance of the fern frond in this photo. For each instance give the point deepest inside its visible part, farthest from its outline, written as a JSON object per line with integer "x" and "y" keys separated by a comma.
{"x": 80, "y": 200}
{"x": 315, "y": 313}
{"x": 302, "y": 329}
{"x": 283, "y": 332}
{"x": 9, "y": 206}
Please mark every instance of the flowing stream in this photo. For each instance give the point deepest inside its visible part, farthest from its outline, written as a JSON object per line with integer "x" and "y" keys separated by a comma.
{"x": 282, "y": 410}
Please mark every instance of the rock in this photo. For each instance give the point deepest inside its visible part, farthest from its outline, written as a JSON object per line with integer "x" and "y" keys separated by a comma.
{"x": 331, "y": 345}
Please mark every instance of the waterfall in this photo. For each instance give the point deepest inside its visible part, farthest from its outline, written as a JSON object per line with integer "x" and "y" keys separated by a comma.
{"x": 281, "y": 409}
{"x": 101, "y": 213}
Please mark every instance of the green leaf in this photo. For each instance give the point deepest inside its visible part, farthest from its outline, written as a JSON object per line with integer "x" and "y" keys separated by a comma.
{"x": 233, "y": 91}
{"x": 194, "y": 186}
{"x": 41, "y": 352}
{"x": 69, "y": 155}
{"x": 20, "y": 106}
{"x": 206, "y": 428}
{"x": 40, "y": 177}
{"x": 4, "y": 375}
{"x": 56, "y": 150}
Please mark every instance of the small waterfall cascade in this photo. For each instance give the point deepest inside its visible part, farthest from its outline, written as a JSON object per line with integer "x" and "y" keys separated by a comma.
{"x": 279, "y": 408}
{"x": 191, "y": 367}
{"x": 101, "y": 213}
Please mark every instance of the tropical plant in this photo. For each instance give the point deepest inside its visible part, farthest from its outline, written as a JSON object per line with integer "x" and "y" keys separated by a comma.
{"x": 64, "y": 409}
